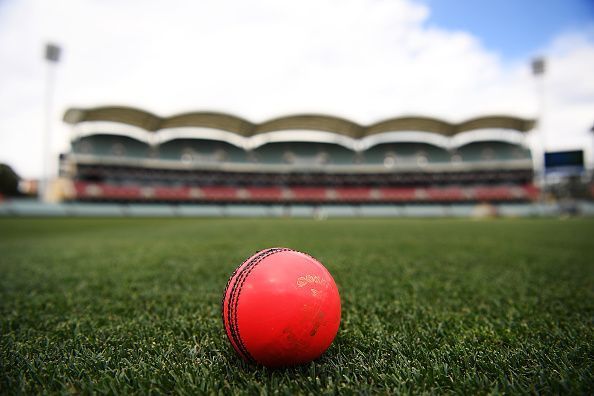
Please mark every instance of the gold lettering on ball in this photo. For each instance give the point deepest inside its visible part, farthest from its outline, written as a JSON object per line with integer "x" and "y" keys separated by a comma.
{"x": 311, "y": 279}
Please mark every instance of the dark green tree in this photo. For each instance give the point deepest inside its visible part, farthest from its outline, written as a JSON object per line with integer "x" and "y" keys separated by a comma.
{"x": 9, "y": 181}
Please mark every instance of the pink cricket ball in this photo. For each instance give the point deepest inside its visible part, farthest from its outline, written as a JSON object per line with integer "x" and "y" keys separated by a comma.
{"x": 281, "y": 308}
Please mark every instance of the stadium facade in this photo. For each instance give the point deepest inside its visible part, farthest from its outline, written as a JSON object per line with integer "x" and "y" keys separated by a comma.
{"x": 127, "y": 155}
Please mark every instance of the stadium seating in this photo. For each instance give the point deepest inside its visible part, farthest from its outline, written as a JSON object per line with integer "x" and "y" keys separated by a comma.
{"x": 488, "y": 151}
{"x": 261, "y": 193}
{"x": 297, "y": 153}
{"x": 110, "y": 146}
{"x": 303, "y": 153}
{"x": 236, "y": 165}
{"x": 86, "y": 191}
{"x": 395, "y": 194}
{"x": 405, "y": 153}
{"x": 200, "y": 150}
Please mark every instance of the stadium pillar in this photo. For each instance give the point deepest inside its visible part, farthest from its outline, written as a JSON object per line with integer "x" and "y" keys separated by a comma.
{"x": 52, "y": 57}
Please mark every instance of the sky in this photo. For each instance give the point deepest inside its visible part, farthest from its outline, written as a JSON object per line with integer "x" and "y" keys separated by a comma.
{"x": 365, "y": 60}
{"x": 502, "y": 26}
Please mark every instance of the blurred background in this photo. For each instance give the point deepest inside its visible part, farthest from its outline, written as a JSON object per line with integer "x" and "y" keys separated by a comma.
{"x": 297, "y": 108}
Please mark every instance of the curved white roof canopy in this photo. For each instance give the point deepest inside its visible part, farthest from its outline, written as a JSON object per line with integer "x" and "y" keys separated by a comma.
{"x": 84, "y": 129}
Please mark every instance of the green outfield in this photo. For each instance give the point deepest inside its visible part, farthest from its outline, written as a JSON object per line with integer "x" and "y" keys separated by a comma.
{"x": 461, "y": 306}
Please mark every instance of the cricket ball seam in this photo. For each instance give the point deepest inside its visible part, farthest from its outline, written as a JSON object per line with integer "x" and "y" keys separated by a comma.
{"x": 236, "y": 282}
{"x": 234, "y": 298}
{"x": 229, "y": 330}
{"x": 232, "y": 277}
{"x": 233, "y": 302}
{"x": 240, "y": 281}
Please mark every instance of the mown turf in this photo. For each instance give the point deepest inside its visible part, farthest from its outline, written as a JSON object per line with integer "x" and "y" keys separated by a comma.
{"x": 132, "y": 305}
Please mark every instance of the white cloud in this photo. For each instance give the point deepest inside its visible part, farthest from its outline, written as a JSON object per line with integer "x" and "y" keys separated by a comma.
{"x": 364, "y": 60}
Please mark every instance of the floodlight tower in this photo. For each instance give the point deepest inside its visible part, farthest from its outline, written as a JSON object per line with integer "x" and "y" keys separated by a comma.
{"x": 538, "y": 70}
{"x": 52, "y": 57}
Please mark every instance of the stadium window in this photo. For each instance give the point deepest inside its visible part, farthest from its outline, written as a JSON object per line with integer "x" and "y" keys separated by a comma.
{"x": 456, "y": 158}
{"x": 118, "y": 149}
{"x": 251, "y": 156}
{"x": 390, "y": 160}
{"x": 85, "y": 147}
{"x": 289, "y": 157}
{"x": 359, "y": 158}
{"x": 153, "y": 152}
{"x": 187, "y": 155}
{"x": 220, "y": 155}
{"x": 422, "y": 158}
{"x": 322, "y": 158}
{"x": 518, "y": 152}
{"x": 488, "y": 154}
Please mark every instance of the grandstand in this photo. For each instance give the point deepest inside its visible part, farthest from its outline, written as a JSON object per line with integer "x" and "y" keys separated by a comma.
{"x": 121, "y": 154}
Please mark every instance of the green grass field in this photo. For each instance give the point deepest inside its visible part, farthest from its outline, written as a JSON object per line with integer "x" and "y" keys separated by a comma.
{"x": 439, "y": 306}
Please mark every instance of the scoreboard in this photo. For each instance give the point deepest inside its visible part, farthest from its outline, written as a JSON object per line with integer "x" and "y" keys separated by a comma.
{"x": 566, "y": 163}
